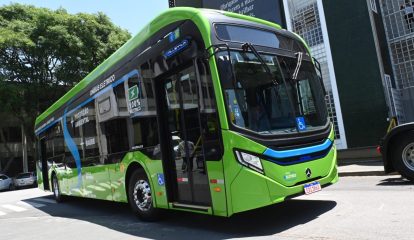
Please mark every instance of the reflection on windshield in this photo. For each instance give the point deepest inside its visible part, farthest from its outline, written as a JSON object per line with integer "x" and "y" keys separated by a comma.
{"x": 271, "y": 104}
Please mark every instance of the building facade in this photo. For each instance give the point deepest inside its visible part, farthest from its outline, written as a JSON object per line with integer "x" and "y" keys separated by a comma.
{"x": 398, "y": 19}
{"x": 306, "y": 19}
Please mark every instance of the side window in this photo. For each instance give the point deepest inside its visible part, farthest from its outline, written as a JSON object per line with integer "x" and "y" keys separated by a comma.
{"x": 74, "y": 124}
{"x": 58, "y": 140}
{"x": 116, "y": 135}
{"x": 120, "y": 99}
{"x": 141, "y": 100}
{"x": 89, "y": 135}
{"x": 208, "y": 114}
{"x": 146, "y": 136}
{"x": 115, "y": 129}
{"x": 55, "y": 144}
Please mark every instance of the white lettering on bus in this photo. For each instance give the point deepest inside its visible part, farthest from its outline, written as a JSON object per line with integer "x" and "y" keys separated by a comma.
{"x": 81, "y": 113}
{"x": 102, "y": 85}
{"x": 90, "y": 142}
{"x": 45, "y": 124}
{"x": 81, "y": 121}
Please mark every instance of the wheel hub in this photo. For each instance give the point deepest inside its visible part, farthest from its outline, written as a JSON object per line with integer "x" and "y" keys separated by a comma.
{"x": 142, "y": 195}
{"x": 408, "y": 156}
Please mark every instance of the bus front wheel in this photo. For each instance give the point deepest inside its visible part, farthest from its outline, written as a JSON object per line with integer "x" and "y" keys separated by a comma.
{"x": 140, "y": 197}
{"x": 403, "y": 156}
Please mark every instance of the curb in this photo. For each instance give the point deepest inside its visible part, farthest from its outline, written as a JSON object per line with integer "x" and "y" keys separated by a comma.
{"x": 348, "y": 161}
{"x": 361, "y": 174}
{"x": 366, "y": 173}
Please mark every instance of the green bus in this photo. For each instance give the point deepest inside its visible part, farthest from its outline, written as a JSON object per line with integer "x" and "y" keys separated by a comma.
{"x": 204, "y": 111}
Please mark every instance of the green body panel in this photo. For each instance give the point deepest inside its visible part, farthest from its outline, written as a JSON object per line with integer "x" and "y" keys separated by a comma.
{"x": 151, "y": 168}
{"x": 97, "y": 182}
{"x": 215, "y": 171}
{"x": 232, "y": 168}
{"x": 278, "y": 192}
{"x": 39, "y": 176}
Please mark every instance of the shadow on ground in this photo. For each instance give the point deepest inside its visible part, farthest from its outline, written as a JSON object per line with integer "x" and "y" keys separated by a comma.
{"x": 395, "y": 182}
{"x": 183, "y": 225}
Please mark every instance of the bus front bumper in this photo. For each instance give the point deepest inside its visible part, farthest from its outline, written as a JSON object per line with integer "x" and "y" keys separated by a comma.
{"x": 251, "y": 190}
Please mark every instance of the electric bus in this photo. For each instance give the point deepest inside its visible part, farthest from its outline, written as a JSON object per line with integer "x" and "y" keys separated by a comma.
{"x": 204, "y": 111}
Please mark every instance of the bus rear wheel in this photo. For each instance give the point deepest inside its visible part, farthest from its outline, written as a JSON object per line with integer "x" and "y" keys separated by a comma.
{"x": 56, "y": 190}
{"x": 403, "y": 156}
{"x": 140, "y": 197}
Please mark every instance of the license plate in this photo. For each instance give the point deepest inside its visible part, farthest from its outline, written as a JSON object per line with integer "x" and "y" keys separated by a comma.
{"x": 312, "y": 187}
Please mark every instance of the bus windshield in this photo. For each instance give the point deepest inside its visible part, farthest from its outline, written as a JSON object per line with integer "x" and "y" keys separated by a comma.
{"x": 271, "y": 103}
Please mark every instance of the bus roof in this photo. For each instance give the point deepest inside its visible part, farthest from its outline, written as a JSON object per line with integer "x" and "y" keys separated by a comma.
{"x": 165, "y": 18}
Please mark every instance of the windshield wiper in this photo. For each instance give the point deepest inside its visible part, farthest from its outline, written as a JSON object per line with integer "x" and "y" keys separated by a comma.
{"x": 298, "y": 65}
{"x": 245, "y": 48}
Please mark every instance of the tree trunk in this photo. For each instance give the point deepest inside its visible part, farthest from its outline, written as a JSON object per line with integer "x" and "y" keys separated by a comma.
{"x": 11, "y": 153}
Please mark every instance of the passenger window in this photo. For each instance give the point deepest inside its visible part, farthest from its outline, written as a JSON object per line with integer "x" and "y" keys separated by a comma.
{"x": 120, "y": 98}
{"x": 116, "y": 135}
{"x": 58, "y": 141}
{"x": 89, "y": 135}
{"x": 143, "y": 113}
{"x": 74, "y": 123}
{"x": 146, "y": 136}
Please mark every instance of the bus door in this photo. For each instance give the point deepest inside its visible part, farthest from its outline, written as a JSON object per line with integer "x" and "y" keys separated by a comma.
{"x": 183, "y": 155}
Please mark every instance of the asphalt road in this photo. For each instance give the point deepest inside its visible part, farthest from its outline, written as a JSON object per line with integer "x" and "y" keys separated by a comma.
{"x": 356, "y": 208}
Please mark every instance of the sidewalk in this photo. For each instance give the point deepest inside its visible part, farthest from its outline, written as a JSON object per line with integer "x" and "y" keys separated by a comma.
{"x": 360, "y": 162}
{"x": 360, "y": 167}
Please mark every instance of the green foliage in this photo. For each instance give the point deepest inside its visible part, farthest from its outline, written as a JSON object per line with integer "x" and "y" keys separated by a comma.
{"x": 43, "y": 53}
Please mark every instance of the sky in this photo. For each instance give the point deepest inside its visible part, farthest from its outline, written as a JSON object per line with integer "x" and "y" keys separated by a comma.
{"x": 132, "y": 15}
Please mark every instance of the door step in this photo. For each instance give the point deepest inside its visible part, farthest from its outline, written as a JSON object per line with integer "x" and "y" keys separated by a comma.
{"x": 190, "y": 207}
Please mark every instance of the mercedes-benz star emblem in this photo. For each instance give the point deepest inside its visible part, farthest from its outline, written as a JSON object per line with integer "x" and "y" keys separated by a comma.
{"x": 308, "y": 172}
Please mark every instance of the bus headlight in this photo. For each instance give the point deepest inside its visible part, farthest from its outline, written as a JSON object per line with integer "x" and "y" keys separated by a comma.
{"x": 250, "y": 161}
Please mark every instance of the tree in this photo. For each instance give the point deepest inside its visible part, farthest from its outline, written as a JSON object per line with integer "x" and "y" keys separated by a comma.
{"x": 43, "y": 53}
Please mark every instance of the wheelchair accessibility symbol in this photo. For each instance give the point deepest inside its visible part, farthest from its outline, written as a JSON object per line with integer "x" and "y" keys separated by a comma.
{"x": 160, "y": 177}
{"x": 300, "y": 124}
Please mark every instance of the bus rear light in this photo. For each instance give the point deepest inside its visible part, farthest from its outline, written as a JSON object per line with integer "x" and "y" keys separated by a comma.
{"x": 250, "y": 161}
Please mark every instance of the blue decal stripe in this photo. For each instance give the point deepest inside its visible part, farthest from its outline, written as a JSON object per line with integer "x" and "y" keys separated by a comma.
{"x": 73, "y": 149}
{"x": 297, "y": 152}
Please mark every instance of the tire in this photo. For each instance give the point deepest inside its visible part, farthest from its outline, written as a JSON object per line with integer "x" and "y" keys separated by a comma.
{"x": 56, "y": 190}
{"x": 140, "y": 198}
{"x": 403, "y": 156}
